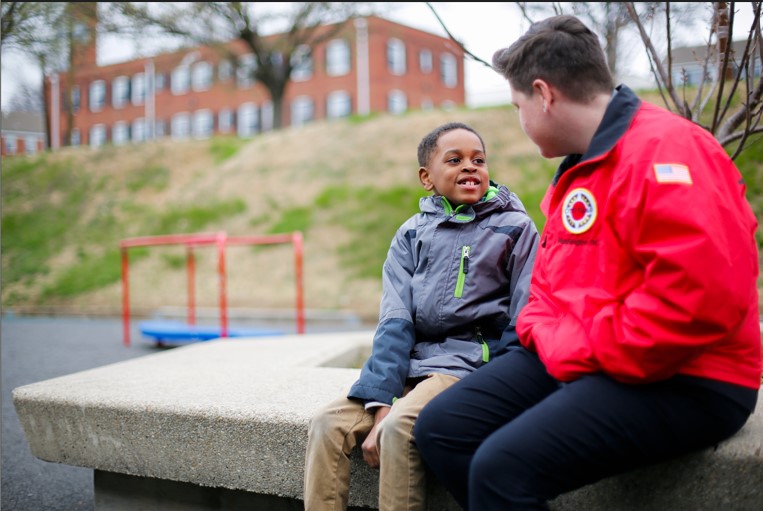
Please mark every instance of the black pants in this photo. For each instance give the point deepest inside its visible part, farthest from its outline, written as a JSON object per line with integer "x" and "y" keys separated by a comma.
{"x": 509, "y": 436}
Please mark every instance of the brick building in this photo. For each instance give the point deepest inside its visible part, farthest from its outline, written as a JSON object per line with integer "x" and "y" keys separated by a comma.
{"x": 371, "y": 65}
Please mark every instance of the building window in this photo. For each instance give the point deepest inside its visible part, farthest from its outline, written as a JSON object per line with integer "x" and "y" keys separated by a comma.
{"x": 396, "y": 102}
{"x": 247, "y": 64}
{"x": 337, "y": 57}
{"x": 138, "y": 130}
{"x": 138, "y": 88}
{"x": 396, "y": 57}
{"x": 10, "y": 144}
{"x": 224, "y": 70}
{"x": 97, "y": 95}
{"x": 159, "y": 80}
{"x": 181, "y": 126}
{"x": 181, "y": 80}
{"x": 97, "y": 135}
{"x": 301, "y": 64}
{"x": 201, "y": 76}
{"x": 225, "y": 120}
{"x": 30, "y": 144}
{"x": 302, "y": 110}
{"x": 120, "y": 91}
{"x": 425, "y": 61}
{"x": 202, "y": 123}
{"x": 247, "y": 120}
{"x": 75, "y": 98}
{"x": 338, "y": 104}
{"x": 76, "y": 138}
{"x": 120, "y": 133}
{"x": 448, "y": 70}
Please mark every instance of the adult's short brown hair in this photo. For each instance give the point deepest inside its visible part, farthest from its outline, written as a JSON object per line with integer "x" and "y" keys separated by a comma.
{"x": 562, "y": 51}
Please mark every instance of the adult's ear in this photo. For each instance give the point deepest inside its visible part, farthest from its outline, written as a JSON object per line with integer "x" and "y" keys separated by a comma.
{"x": 426, "y": 182}
{"x": 545, "y": 93}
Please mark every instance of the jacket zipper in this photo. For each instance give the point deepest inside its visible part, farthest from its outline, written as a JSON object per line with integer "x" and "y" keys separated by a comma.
{"x": 463, "y": 269}
{"x": 485, "y": 348}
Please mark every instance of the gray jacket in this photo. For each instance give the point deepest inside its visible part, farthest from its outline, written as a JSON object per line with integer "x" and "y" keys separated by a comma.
{"x": 453, "y": 284}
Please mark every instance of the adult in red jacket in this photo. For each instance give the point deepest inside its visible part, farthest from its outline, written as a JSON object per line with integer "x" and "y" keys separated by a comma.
{"x": 641, "y": 340}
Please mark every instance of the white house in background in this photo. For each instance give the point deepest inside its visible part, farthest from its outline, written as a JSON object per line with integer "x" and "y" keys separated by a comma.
{"x": 689, "y": 62}
{"x": 22, "y": 133}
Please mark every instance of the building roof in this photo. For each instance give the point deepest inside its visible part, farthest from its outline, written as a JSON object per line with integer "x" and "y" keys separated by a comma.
{"x": 29, "y": 122}
{"x": 696, "y": 54}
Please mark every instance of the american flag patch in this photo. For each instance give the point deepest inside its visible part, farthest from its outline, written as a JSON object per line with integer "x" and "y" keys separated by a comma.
{"x": 672, "y": 173}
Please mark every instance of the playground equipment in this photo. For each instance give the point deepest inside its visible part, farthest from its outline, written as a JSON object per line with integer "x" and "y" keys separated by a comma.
{"x": 220, "y": 240}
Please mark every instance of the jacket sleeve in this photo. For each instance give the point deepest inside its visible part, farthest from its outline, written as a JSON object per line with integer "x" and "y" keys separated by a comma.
{"x": 520, "y": 266}
{"x": 382, "y": 377}
{"x": 693, "y": 241}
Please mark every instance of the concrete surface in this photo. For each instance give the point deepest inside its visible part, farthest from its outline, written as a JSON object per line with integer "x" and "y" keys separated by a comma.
{"x": 232, "y": 414}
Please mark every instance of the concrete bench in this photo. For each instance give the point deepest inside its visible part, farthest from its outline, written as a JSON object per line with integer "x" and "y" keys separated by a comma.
{"x": 223, "y": 425}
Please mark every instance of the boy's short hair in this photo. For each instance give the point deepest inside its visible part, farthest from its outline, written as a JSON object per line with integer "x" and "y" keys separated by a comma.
{"x": 562, "y": 51}
{"x": 428, "y": 144}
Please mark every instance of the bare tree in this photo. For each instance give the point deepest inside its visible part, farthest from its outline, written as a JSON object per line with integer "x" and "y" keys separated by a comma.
{"x": 731, "y": 82}
{"x": 27, "y": 98}
{"x": 304, "y": 25}
{"x": 730, "y": 85}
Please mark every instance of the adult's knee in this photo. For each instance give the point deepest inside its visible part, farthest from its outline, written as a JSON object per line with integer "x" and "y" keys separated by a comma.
{"x": 427, "y": 426}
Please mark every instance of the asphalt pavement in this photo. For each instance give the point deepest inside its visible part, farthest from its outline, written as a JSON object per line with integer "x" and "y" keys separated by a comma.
{"x": 39, "y": 348}
{"x": 36, "y": 349}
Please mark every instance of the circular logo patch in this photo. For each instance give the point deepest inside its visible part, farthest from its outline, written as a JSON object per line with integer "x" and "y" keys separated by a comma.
{"x": 579, "y": 211}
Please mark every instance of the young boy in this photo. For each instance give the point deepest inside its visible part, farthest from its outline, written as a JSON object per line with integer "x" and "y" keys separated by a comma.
{"x": 455, "y": 279}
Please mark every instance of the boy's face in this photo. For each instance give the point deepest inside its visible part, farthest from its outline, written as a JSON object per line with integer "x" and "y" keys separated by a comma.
{"x": 457, "y": 169}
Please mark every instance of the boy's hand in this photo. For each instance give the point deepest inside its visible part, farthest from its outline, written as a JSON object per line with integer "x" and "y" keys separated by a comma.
{"x": 369, "y": 446}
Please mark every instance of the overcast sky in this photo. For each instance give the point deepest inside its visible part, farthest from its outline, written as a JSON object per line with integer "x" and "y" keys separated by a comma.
{"x": 484, "y": 27}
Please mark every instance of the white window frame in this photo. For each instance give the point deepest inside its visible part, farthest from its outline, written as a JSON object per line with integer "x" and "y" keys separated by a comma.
{"x": 76, "y": 138}
{"x": 201, "y": 76}
{"x": 338, "y": 105}
{"x": 120, "y": 133}
{"x": 426, "y": 61}
{"x": 247, "y": 64}
{"x": 97, "y": 95}
{"x": 120, "y": 91}
{"x": 225, "y": 120}
{"x": 246, "y": 120}
{"x": 302, "y": 64}
{"x": 138, "y": 131}
{"x": 396, "y": 62}
{"x": 180, "y": 82}
{"x": 97, "y": 135}
{"x": 337, "y": 57}
{"x": 302, "y": 110}
{"x": 180, "y": 128}
{"x": 448, "y": 70}
{"x": 11, "y": 144}
{"x": 397, "y": 102}
{"x": 138, "y": 89}
{"x": 30, "y": 144}
{"x": 203, "y": 124}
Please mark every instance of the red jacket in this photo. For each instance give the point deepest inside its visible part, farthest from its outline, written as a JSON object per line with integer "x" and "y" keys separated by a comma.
{"x": 647, "y": 265}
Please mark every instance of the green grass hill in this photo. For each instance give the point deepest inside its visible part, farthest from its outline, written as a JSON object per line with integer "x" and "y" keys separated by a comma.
{"x": 345, "y": 184}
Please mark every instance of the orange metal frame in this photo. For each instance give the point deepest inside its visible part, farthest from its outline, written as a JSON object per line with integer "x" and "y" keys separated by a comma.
{"x": 220, "y": 240}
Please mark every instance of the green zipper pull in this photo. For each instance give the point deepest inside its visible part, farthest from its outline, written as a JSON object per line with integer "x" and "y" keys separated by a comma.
{"x": 463, "y": 269}
{"x": 485, "y": 348}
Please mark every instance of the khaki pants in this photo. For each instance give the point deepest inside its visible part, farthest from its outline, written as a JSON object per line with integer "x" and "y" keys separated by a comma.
{"x": 337, "y": 428}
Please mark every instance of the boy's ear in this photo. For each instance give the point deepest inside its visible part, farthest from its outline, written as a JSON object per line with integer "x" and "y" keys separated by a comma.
{"x": 424, "y": 178}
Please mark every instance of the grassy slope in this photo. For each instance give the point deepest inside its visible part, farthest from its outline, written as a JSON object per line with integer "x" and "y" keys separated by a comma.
{"x": 346, "y": 184}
